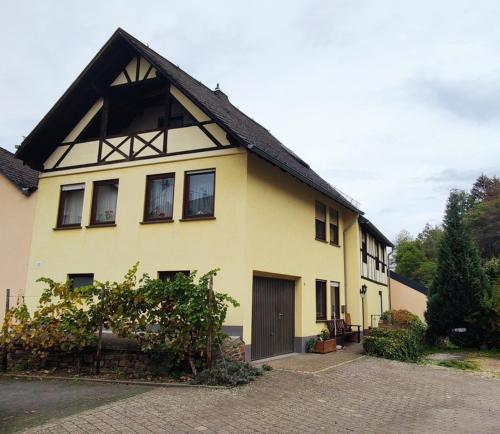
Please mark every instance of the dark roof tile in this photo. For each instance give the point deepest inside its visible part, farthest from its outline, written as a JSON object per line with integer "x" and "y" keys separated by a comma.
{"x": 22, "y": 176}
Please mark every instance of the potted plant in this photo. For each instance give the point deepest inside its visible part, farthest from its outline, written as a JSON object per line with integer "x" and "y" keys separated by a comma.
{"x": 323, "y": 343}
{"x": 384, "y": 319}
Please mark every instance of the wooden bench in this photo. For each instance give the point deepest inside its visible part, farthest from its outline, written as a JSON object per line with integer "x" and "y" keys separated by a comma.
{"x": 338, "y": 328}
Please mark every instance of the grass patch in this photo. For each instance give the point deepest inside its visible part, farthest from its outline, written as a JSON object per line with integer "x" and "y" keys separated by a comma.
{"x": 464, "y": 365}
{"x": 467, "y": 352}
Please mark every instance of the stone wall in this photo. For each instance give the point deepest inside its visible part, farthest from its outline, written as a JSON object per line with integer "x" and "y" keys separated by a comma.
{"x": 119, "y": 356}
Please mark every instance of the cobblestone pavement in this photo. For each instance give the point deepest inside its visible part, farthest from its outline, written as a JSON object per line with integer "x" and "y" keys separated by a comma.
{"x": 366, "y": 395}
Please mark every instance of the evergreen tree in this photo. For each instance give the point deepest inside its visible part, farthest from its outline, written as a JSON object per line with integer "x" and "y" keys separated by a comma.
{"x": 459, "y": 296}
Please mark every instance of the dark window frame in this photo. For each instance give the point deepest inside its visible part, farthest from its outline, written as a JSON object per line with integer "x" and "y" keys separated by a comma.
{"x": 150, "y": 178}
{"x": 95, "y": 196}
{"x": 377, "y": 256}
{"x": 364, "y": 247}
{"x": 187, "y": 175}
{"x": 333, "y": 303}
{"x": 320, "y": 226}
{"x": 168, "y": 275}
{"x": 60, "y": 210}
{"x": 72, "y": 276}
{"x": 321, "y": 316}
{"x": 334, "y": 227}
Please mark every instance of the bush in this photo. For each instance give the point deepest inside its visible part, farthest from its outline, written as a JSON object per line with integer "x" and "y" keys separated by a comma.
{"x": 229, "y": 373}
{"x": 405, "y": 343}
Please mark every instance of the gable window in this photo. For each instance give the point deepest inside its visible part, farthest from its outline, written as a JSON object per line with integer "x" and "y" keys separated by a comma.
{"x": 70, "y": 206}
{"x": 136, "y": 108}
{"x": 179, "y": 117}
{"x": 199, "y": 194}
{"x": 320, "y": 300}
{"x": 168, "y": 276}
{"x": 79, "y": 280}
{"x": 159, "y": 197}
{"x": 104, "y": 199}
{"x": 320, "y": 221}
{"x": 334, "y": 226}
{"x": 364, "y": 250}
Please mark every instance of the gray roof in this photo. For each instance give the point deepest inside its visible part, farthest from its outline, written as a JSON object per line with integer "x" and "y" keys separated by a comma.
{"x": 253, "y": 136}
{"x": 368, "y": 226}
{"x": 22, "y": 176}
{"x": 241, "y": 129}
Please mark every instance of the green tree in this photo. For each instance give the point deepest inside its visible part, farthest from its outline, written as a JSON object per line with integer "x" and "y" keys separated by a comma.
{"x": 417, "y": 258}
{"x": 460, "y": 293}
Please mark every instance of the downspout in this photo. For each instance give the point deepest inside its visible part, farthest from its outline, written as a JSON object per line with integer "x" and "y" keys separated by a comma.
{"x": 345, "y": 263}
{"x": 389, "y": 276}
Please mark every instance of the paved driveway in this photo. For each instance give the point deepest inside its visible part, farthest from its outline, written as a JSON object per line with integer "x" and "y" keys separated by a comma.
{"x": 365, "y": 395}
{"x": 25, "y": 403}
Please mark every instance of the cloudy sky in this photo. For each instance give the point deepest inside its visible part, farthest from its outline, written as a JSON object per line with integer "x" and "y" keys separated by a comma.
{"x": 393, "y": 102}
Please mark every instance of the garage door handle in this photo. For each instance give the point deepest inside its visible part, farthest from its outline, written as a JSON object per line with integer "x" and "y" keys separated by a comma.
{"x": 281, "y": 315}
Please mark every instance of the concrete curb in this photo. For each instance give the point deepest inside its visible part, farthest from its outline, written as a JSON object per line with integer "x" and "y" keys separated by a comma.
{"x": 103, "y": 380}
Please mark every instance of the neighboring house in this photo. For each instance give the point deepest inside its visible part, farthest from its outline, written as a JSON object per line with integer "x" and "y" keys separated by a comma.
{"x": 408, "y": 294}
{"x": 17, "y": 211}
{"x": 140, "y": 161}
{"x": 374, "y": 270}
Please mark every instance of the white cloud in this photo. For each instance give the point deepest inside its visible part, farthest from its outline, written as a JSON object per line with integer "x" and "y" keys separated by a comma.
{"x": 382, "y": 98}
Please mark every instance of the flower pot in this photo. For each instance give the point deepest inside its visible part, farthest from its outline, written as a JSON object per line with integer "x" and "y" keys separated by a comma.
{"x": 324, "y": 347}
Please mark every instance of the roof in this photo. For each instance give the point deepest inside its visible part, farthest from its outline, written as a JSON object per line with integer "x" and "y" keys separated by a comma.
{"x": 369, "y": 227}
{"x": 106, "y": 65}
{"x": 408, "y": 282}
{"x": 22, "y": 176}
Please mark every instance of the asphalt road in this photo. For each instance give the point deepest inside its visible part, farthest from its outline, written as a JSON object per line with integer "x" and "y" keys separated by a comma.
{"x": 27, "y": 403}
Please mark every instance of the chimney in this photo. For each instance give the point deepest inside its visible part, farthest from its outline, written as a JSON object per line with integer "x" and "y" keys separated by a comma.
{"x": 219, "y": 92}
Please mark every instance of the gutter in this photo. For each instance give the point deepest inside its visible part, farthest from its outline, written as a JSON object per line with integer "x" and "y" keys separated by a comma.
{"x": 389, "y": 277}
{"x": 345, "y": 262}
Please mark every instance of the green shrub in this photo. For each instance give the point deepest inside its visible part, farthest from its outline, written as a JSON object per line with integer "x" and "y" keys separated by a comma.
{"x": 229, "y": 373}
{"x": 405, "y": 343}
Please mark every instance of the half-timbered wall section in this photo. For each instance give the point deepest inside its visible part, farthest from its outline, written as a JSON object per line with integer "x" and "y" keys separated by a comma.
{"x": 139, "y": 116}
{"x": 373, "y": 256}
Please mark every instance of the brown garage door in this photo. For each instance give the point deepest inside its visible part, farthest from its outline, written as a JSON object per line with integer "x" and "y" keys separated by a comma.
{"x": 272, "y": 317}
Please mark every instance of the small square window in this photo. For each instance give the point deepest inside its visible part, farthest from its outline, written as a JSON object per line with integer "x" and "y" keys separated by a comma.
{"x": 159, "y": 197}
{"x": 70, "y": 206}
{"x": 79, "y": 280}
{"x": 104, "y": 200}
{"x": 199, "y": 194}
{"x": 168, "y": 276}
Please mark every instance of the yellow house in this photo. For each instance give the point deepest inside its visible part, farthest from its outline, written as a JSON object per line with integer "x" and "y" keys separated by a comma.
{"x": 140, "y": 161}
{"x": 18, "y": 184}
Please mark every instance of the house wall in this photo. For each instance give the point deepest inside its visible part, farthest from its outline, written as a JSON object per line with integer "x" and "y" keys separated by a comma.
{"x": 109, "y": 252}
{"x": 404, "y": 297}
{"x": 281, "y": 240}
{"x": 16, "y": 222}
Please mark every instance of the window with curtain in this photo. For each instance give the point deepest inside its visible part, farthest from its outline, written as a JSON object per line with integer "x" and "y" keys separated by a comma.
{"x": 334, "y": 226}
{"x": 159, "y": 197}
{"x": 199, "y": 193}
{"x": 70, "y": 205}
{"x": 320, "y": 300}
{"x": 320, "y": 221}
{"x": 104, "y": 200}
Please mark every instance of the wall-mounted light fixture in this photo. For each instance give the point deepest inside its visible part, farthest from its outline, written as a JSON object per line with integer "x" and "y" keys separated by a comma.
{"x": 362, "y": 291}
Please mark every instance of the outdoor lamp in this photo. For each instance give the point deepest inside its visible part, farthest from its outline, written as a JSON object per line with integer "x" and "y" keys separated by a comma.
{"x": 362, "y": 291}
